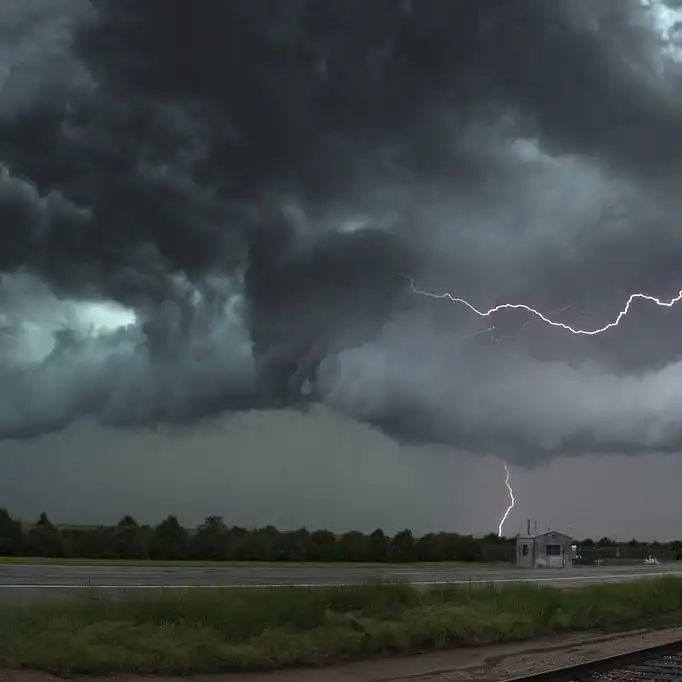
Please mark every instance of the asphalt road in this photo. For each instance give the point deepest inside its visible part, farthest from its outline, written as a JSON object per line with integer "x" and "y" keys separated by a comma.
{"x": 29, "y": 581}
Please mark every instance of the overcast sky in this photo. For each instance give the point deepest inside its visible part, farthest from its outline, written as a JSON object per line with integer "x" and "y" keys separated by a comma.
{"x": 207, "y": 217}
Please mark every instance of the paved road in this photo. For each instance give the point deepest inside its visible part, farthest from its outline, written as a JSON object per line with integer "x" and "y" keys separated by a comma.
{"x": 34, "y": 580}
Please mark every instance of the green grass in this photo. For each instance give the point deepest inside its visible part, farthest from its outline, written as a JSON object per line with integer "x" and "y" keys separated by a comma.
{"x": 203, "y": 631}
{"x": 46, "y": 561}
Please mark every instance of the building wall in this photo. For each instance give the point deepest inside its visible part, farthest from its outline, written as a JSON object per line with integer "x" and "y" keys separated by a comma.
{"x": 525, "y": 552}
{"x": 549, "y": 550}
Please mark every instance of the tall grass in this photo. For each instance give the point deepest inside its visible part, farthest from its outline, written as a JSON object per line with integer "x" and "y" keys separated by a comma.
{"x": 202, "y": 631}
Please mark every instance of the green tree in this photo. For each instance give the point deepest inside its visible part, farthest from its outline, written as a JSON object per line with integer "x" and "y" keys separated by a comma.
{"x": 11, "y": 535}
{"x": 293, "y": 545}
{"x": 130, "y": 539}
{"x": 170, "y": 540}
{"x": 354, "y": 546}
{"x": 378, "y": 546}
{"x": 255, "y": 545}
{"x": 460, "y": 548}
{"x": 44, "y": 539}
{"x": 429, "y": 547}
{"x": 267, "y": 541}
{"x": 676, "y": 546}
{"x": 403, "y": 546}
{"x": 93, "y": 543}
{"x": 210, "y": 541}
{"x": 323, "y": 546}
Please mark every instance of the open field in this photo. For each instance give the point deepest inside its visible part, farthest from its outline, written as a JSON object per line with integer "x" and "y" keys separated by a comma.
{"x": 187, "y": 631}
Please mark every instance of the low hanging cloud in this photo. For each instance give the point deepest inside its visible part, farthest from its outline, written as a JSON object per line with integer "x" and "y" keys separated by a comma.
{"x": 213, "y": 210}
{"x": 502, "y": 400}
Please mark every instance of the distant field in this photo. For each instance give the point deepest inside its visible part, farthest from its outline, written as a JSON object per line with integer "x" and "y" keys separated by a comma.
{"x": 191, "y": 632}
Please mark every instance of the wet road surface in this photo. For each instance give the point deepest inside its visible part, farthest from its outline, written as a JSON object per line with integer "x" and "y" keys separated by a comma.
{"x": 33, "y": 580}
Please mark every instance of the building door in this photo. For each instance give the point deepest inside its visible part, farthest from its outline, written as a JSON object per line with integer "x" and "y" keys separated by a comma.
{"x": 555, "y": 557}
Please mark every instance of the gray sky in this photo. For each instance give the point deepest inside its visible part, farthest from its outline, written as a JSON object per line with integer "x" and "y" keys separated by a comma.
{"x": 203, "y": 251}
{"x": 322, "y": 469}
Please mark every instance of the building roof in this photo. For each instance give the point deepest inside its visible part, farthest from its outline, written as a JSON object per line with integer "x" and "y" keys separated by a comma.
{"x": 540, "y": 535}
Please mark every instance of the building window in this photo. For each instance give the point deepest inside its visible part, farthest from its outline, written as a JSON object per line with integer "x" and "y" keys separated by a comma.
{"x": 524, "y": 550}
{"x": 553, "y": 550}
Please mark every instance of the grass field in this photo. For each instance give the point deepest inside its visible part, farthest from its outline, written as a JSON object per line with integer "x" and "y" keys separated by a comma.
{"x": 191, "y": 632}
{"x": 42, "y": 561}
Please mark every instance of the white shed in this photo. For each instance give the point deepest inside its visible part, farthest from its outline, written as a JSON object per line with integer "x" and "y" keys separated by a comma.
{"x": 547, "y": 550}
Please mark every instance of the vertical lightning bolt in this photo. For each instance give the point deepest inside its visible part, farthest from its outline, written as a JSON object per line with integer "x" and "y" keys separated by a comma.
{"x": 507, "y": 482}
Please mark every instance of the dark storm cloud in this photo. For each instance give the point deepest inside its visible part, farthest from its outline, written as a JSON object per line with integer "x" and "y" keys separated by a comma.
{"x": 39, "y": 70}
{"x": 252, "y": 178}
{"x": 178, "y": 364}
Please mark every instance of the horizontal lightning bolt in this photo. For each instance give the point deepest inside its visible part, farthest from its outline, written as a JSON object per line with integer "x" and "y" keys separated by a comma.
{"x": 538, "y": 314}
{"x": 497, "y": 338}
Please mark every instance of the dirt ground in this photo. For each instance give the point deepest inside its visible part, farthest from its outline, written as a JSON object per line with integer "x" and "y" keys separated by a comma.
{"x": 485, "y": 664}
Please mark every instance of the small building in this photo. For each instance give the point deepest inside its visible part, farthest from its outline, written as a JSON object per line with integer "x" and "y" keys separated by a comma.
{"x": 547, "y": 550}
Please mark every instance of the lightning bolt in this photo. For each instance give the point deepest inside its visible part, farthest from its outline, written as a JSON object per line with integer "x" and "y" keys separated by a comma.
{"x": 497, "y": 338}
{"x": 544, "y": 318}
{"x": 511, "y": 497}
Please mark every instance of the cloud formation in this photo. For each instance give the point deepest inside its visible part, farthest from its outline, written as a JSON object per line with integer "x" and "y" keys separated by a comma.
{"x": 245, "y": 183}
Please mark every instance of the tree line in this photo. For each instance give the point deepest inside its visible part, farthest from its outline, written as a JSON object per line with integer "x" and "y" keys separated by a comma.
{"x": 607, "y": 549}
{"x": 214, "y": 540}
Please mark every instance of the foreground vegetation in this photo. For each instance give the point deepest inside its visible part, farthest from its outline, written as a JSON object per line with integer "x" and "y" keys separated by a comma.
{"x": 203, "y": 631}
